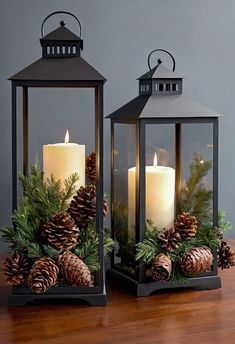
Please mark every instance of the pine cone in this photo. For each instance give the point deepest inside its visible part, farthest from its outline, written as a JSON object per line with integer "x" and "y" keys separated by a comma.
{"x": 161, "y": 267}
{"x": 196, "y": 260}
{"x": 226, "y": 256}
{"x": 186, "y": 226}
{"x": 60, "y": 231}
{"x": 83, "y": 205}
{"x": 16, "y": 269}
{"x": 91, "y": 166}
{"x": 169, "y": 239}
{"x": 43, "y": 275}
{"x": 74, "y": 270}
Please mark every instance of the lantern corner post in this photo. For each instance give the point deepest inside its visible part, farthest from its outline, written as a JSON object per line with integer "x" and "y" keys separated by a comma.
{"x": 25, "y": 131}
{"x": 215, "y": 170}
{"x": 112, "y": 187}
{"x": 140, "y": 191}
{"x": 178, "y": 163}
{"x": 99, "y": 112}
{"x": 14, "y": 143}
{"x": 215, "y": 183}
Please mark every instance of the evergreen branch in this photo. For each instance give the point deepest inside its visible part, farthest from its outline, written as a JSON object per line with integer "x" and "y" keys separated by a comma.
{"x": 147, "y": 250}
{"x": 50, "y": 251}
{"x": 87, "y": 247}
{"x": 108, "y": 244}
{"x": 177, "y": 275}
{"x": 151, "y": 231}
{"x": 196, "y": 199}
{"x": 69, "y": 189}
{"x": 34, "y": 251}
{"x": 8, "y": 234}
{"x": 223, "y": 225}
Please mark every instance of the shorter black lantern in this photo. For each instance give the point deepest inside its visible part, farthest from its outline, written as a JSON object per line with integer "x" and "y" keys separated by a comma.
{"x": 164, "y": 175}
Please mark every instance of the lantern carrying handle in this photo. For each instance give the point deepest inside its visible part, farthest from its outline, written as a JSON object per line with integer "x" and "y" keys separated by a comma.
{"x": 160, "y": 60}
{"x": 62, "y": 23}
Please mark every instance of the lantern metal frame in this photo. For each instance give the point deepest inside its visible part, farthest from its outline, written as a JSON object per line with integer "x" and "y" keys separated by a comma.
{"x": 38, "y": 75}
{"x": 139, "y": 285}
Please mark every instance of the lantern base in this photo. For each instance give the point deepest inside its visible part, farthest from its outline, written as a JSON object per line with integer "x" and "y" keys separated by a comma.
{"x": 146, "y": 289}
{"x": 22, "y": 296}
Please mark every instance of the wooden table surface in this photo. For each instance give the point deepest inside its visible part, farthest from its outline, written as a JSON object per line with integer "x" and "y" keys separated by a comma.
{"x": 177, "y": 317}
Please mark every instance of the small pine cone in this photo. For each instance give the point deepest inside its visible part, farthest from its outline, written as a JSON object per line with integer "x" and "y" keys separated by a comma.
{"x": 196, "y": 260}
{"x": 161, "y": 267}
{"x": 43, "y": 275}
{"x": 16, "y": 269}
{"x": 169, "y": 239}
{"x": 60, "y": 231}
{"x": 83, "y": 205}
{"x": 74, "y": 270}
{"x": 91, "y": 166}
{"x": 225, "y": 256}
{"x": 186, "y": 225}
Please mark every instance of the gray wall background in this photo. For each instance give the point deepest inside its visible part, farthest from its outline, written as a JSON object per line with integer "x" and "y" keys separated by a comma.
{"x": 118, "y": 35}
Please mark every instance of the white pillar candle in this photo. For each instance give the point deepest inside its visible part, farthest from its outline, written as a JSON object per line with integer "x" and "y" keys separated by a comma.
{"x": 160, "y": 195}
{"x": 63, "y": 159}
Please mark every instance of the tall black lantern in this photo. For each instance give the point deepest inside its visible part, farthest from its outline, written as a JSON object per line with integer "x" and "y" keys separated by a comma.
{"x": 164, "y": 163}
{"x": 61, "y": 66}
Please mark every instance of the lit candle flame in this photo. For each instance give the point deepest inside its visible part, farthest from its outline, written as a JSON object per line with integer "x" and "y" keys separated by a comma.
{"x": 66, "y": 139}
{"x": 155, "y": 160}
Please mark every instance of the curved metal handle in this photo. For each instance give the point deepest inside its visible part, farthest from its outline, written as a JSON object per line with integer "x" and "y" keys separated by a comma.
{"x": 61, "y": 12}
{"x": 159, "y": 60}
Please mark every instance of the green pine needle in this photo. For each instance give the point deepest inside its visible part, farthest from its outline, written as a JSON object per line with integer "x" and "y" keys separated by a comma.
{"x": 147, "y": 250}
{"x": 196, "y": 199}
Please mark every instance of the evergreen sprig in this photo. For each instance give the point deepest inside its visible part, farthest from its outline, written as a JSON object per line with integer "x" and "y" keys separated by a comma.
{"x": 41, "y": 199}
{"x": 196, "y": 198}
{"x": 223, "y": 225}
{"x": 88, "y": 246}
{"x": 147, "y": 250}
{"x": 46, "y": 198}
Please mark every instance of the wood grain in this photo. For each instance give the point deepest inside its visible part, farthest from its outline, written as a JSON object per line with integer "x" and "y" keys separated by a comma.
{"x": 177, "y": 317}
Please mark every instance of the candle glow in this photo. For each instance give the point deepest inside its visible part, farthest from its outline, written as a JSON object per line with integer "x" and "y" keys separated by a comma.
{"x": 63, "y": 159}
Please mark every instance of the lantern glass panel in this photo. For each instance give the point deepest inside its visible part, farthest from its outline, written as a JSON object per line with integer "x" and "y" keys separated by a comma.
{"x": 51, "y": 115}
{"x": 124, "y": 199}
{"x": 160, "y": 175}
{"x": 197, "y": 170}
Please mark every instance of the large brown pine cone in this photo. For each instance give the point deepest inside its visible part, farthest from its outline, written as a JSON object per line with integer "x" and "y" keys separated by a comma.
{"x": 43, "y": 275}
{"x": 83, "y": 205}
{"x": 161, "y": 267}
{"x": 169, "y": 239}
{"x": 60, "y": 231}
{"x": 225, "y": 256}
{"x": 16, "y": 269}
{"x": 91, "y": 166}
{"x": 186, "y": 225}
{"x": 196, "y": 260}
{"x": 74, "y": 270}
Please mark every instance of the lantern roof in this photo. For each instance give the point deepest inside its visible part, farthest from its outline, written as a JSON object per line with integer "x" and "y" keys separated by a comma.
{"x": 156, "y": 106}
{"x": 61, "y": 60}
{"x": 160, "y": 72}
{"x": 74, "y": 69}
{"x": 61, "y": 33}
